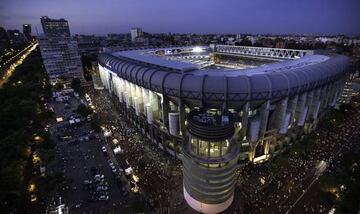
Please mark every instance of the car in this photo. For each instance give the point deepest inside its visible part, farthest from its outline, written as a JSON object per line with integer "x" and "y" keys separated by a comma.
{"x": 110, "y": 163}
{"x": 102, "y": 188}
{"x": 103, "y": 198}
{"x": 86, "y": 182}
{"x": 33, "y": 198}
{"x": 103, "y": 149}
{"x": 98, "y": 177}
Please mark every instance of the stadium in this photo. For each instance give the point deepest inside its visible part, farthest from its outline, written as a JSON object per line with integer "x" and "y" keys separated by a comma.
{"x": 219, "y": 105}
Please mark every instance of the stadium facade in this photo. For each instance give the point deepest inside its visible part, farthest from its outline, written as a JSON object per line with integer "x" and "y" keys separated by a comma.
{"x": 218, "y": 105}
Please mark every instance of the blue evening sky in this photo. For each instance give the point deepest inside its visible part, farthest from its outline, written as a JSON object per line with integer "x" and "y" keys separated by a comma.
{"x": 184, "y": 16}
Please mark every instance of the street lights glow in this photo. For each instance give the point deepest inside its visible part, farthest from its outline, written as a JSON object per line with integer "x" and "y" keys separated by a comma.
{"x": 197, "y": 49}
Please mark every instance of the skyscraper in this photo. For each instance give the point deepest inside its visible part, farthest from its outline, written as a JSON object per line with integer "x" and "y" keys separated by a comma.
{"x": 135, "y": 33}
{"x": 55, "y": 27}
{"x": 58, "y": 50}
{"x": 16, "y": 38}
{"x": 27, "y": 30}
{"x": 4, "y": 40}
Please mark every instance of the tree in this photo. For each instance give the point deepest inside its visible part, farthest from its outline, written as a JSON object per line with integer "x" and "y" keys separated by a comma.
{"x": 76, "y": 85}
{"x": 83, "y": 110}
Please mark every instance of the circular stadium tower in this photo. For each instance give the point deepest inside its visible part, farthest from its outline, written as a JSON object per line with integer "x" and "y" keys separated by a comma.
{"x": 210, "y": 159}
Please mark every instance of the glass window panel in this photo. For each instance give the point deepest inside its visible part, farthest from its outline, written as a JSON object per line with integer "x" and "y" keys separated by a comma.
{"x": 225, "y": 147}
{"x": 203, "y": 148}
{"x": 215, "y": 149}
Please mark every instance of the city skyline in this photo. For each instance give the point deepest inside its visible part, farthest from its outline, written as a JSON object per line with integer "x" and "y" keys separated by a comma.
{"x": 317, "y": 17}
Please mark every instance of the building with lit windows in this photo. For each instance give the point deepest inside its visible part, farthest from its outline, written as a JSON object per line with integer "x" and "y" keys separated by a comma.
{"x": 27, "y": 31}
{"x": 16, "y": 38}
{"x": 58, "y": 50}
{"x": 135, "y": 34}
{"x": 219, "y": 105}
{"x": 55, "y": 27}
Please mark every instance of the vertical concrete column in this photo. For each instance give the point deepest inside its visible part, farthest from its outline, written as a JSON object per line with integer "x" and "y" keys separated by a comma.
{"x": 292, "y": 107}
{"x": 174, "y": 123}
{"x": 309, "y": 103}
{"x": 109, "y": 82}
{"x": 281, "y": 113}
{"x": 154, "y": 105}
{"x": 336, "y": 94}
{"x": 324, "y": 90}
{"x": 118, "y": 80}
{"x": 140, "y": 98}
{"x": 127, "y": 94}
{"x": 146, "y": 99}
{"x": 136, "y": 106}
{"x": 182, "y": 116}
{"x": 165, "y": 111}
{"x": 264, "y": 117}
{"x": 254, "y": 129}
{"x": 121, "y": 90}
{"x": 149, "y": 113}
{"x": 316, "y": 104}
{"x": 245, "y": 118}
{"x": 301, "y": 110}
{"x": 101, "y": 74}
{"x": 329, "y": 94}
{"x": 116, "y": 85}
{"x": 133, "y": 94}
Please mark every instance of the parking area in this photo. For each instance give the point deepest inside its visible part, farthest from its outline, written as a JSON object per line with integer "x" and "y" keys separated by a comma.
{"x": 92, "y": 178}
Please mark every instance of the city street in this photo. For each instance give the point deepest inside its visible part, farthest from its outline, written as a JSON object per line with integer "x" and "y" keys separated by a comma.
{"x": 77, "y": 158}
{"x": 16, "y": 60}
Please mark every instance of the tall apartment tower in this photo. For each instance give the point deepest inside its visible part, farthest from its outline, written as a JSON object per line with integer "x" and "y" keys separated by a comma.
{"x": 55, "y": 27}
{"x": 58, "y": 50}
{"x": 27, "y": 31}
{"x": 135, "y": 33}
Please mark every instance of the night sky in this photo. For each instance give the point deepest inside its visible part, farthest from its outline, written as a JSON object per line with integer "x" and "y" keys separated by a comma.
{"x": 189, "y": 16}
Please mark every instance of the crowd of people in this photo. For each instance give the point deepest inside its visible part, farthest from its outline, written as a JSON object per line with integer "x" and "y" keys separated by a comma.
{"x": 160, "y": 175}
{"x": 259, "y": 188}
{"x": 275, "y": 188}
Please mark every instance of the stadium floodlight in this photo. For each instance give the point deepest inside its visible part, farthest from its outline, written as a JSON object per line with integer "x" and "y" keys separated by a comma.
{"x": 197, "y": 49}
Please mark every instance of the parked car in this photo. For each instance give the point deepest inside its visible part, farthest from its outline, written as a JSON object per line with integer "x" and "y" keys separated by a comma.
{"x": 111, "y": 164}
{"x": 103, "y": 198}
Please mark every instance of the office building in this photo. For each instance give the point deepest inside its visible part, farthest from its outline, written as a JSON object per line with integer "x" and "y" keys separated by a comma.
{"x": 58, "y": 50}
{"x": 16, "y": 38}
{"x": 4, "y": 40}
{"x": 27, "y": 31}
{"x": 136, "y": 33}
{"x": 55, "y": 27}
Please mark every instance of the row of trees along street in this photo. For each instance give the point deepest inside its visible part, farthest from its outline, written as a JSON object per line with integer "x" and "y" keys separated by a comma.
{"x": 25, "y": 143}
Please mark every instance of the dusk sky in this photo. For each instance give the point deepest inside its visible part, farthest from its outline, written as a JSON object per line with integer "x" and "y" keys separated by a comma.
{"x": 189, "y": 16}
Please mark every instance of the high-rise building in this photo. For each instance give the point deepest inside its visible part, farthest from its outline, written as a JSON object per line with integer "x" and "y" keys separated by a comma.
{"x": 55, "y": 27}
{"x": 4, "y": 40}
{"x": 16, "y": 38}
{"x": 135, "y": 33}
{"x": 58, "y": 50}
{"x": 27, "y": 30}
{"x": 61, "y": 57}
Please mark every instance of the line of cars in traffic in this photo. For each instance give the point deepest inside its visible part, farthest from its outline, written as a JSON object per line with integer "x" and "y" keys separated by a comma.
{"x": 97, "y": 186}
